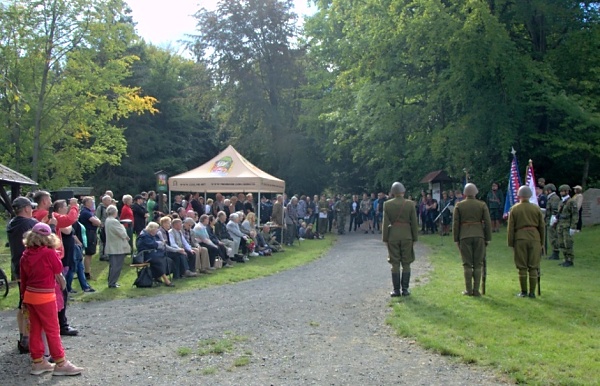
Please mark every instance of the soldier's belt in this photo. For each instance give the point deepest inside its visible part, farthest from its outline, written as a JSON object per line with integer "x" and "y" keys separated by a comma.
{"x": 471, "y": 223}
{"x": 527, "y": 229}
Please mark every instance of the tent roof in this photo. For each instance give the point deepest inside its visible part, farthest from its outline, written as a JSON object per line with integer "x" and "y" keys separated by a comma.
{"x": 227, "y": 172}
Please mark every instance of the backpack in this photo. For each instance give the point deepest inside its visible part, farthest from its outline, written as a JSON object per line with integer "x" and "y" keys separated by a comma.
{"x": 144, "y": 278}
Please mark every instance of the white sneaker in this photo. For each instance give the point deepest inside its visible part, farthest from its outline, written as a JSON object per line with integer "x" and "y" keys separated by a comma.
{"x": 67, "y": 369}
{"x": 301, "y": 239}
{"x": 246, "y": 259}
{"x": 40, "y": 368}
{"x": 253, "y": 254}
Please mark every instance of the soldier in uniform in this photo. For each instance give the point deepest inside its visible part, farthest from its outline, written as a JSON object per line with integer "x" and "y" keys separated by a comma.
{"x": 567, "y": 223}
{"x": 552, "y": 203}
{"x": 526, "y": 232}
{"x": 400, "y": 232}
{"x": 322, "y": 216}
{"x": 472, "y": 229}
{"x": 342, "y": 210}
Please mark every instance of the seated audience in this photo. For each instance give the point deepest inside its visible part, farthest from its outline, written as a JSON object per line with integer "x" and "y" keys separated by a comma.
{"x": 202, "y": 257}
{"x": 153, "y": 249}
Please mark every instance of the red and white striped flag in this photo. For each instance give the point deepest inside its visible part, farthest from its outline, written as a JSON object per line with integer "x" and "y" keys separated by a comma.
{"x": 530, "y": 181}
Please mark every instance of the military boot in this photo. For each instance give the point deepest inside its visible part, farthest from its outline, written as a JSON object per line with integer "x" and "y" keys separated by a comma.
{"x": 396, "y": 282}
{"x": 476, "y": 282}
{"x": 554, "y": 256}
{"x": 405, "y": 282}
{"x": 523, "y": 283}
{"x": 468, "y": 282}
{"x": 532, "y": 286}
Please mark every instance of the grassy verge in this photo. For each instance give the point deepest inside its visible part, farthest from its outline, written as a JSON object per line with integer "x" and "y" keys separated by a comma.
{"x": 554, "y": 339}
{"x": 294, "y": 256}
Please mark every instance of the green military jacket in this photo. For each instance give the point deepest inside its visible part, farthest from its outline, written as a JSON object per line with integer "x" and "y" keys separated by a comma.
{"x": 342, "y": 208}
{"x": 471, "y": 219}
{"x": 399, "y": 220}
{"x": 525, "y": 222}
{"x": 552, "y": 206}
{"x": 323, "y": 206}
{"x": 568, "y": 215}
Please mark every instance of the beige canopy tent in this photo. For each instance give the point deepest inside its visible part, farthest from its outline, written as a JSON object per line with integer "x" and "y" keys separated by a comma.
{"x": 228, "y": 172}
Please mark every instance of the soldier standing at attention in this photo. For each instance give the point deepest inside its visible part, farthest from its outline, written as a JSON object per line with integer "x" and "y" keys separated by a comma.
{"x": 400, "y": 232}
{"x": 472, "y": 228}
{"x": 526, "y": 236}
{"x": 567, "y": 222}
{"x": 552, "y": 203}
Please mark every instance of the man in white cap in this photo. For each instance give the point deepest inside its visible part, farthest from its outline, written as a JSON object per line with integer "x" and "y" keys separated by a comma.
{"x": 400, "y": 232}
{"x": 526, "y": 232}
{"x": 472, "y": 229}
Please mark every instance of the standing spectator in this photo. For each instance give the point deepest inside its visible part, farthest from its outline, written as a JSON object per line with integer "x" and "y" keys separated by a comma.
{"x": 127, "y": 218}
{"x": 40, "y": 270}
{"x": 365, "y": 210}
{"x": 16, "y": 229}
{"x": 101, "y": 214}
{"x": 322, "y": 215}
{"x": 446, "y": 216}
{"x": 541, "y": 197}
{"x": 292, "y": 220}
{"x": 400, "y": 232}
{"x": 116, "y": 246}
{"x": 495, "y": 201}
{"x": 431, "y": 206}
{"x": 302, "y": 207}
{"x": 277, "y": 217}
{"x": 472, "y": 230}
{"x": 239, "y": 204}
{"x": 42, "y": 214}
{"x": 578, "y": 197}
{"x": 423, "y": 211}
{"x": 140, "y": 214}
{"x": 354, "y": 213}
{"x": 152, "y": 206}
{"x": 379, "y": 214}
{"x": 526, "y": 237}
{"x": 249, "y": 204}
{"x": 342, "y": 210}
{"x": 177, "y": 203}
{"x": 88, "y": 219}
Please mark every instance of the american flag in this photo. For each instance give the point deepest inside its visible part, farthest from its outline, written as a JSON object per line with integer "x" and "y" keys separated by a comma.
{"x": 530, "y": 181}
{"x": 514, "y": 183}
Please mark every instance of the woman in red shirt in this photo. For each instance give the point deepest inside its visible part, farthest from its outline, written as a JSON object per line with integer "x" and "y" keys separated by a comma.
{"x": 41, "y": 268}
{"x": 127, "y": 218}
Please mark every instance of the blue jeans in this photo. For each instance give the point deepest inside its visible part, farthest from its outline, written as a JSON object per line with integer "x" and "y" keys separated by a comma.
{"x": 79, "y": 269}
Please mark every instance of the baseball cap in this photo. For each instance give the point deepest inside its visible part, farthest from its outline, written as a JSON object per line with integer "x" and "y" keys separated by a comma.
{"x": 22, "y": 202}
{"x": 42, "y": 229}
{"x": 577, "y": 187}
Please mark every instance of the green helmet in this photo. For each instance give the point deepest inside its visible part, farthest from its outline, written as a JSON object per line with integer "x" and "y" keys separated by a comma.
{"x": 564, "y": 187}
{"x": 525, "y": 192}
{"x": 550, "y": 187}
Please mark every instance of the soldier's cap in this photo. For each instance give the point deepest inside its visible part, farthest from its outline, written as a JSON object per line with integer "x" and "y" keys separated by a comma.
{"x": 550, "y": 187}
{"x": 525, "y": 192}
{"x": 397, "y": 188}
{"x": 577, "y": 187}
{"x": 21, "y": 202}
{"x": 564, "y": 187}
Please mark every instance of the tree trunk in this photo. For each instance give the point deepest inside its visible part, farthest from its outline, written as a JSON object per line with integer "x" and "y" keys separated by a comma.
{"x": 586, "y": 170}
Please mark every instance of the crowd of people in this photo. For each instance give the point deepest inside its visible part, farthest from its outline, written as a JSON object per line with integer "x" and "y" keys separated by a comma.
{"x": 193, "y": 236}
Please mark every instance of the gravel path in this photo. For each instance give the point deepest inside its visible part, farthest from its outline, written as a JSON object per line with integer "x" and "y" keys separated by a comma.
{"x": 320, "y": 324}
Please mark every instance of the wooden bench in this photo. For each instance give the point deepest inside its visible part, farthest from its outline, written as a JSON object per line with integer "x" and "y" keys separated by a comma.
{"x": 139, "y": 266}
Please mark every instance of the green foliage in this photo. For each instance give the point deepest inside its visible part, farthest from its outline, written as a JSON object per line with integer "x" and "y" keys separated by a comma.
{"x": 549, "y": 340}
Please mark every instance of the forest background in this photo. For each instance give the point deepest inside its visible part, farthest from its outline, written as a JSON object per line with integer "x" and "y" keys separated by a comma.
{"x": 363, "y": 93}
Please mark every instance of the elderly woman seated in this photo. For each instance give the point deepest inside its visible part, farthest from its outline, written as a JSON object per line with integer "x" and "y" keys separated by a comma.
{"x": 153, "y": 249}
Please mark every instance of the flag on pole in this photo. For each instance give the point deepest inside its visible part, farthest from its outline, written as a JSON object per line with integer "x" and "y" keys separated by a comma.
{"x": 514, "y": 183}
{"x": 530, "y": 181}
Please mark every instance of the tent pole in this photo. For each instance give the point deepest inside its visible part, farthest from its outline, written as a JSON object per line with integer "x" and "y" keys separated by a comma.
{"x": 169, "y": 203}
{"x": 258, "y": 210}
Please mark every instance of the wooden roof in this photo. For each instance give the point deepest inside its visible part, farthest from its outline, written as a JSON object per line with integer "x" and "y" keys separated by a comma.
{"x": 9, "y": 176}
{"x": 436, "y": 176}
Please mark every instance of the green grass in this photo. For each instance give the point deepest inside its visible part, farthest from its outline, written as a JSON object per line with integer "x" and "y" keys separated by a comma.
{"x": 241, "y": 361}
{"x": 257, "y": 267}
{"x": 551, "y": 340}
{"x": 184, "y": 351}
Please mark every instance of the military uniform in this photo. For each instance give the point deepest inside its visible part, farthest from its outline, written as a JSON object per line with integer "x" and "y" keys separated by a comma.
{"x": 526, "y": 232}
{"x": 342, "y": 210}
{"x": 400, "y": 231}
{"x": 552, "y": 210}
{"x": 567, "y": 220}
{"x": 472, "y": 228}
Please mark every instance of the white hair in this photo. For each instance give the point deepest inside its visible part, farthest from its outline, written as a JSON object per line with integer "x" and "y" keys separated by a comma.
{"x": 111, "y": 210}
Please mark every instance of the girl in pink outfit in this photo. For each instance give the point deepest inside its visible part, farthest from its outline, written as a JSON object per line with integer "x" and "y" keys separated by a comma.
{"x": 41, "y": 268}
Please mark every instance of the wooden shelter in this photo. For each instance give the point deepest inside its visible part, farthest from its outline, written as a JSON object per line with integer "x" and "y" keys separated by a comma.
{"x": 15, "y": 180}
